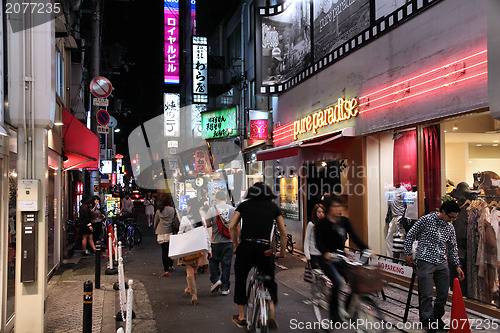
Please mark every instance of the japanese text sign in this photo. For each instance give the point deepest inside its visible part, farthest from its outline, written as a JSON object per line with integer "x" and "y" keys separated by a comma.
{"x": 171, "y": 16}
{"x": 171, "y": 113}
{"x": 219, "y": 124}
{"x": 200, "y": 70}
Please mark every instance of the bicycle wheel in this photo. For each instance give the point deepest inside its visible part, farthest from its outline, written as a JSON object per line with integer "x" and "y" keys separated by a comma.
{"x": 367, "y": 315}
{"x": 261, "y": 314}
{"x": 130, "y": 238}
{"x": 137, "y": 235}
{"x": 321, "y": 297}
{"x": 251, "y": 305}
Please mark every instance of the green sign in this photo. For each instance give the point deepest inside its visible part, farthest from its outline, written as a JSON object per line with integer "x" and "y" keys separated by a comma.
{"x": 219, "y": 124}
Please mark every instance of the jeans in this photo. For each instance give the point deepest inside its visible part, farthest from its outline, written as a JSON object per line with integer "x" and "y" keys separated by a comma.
{"x": 334, "y": 271}
{"x": 167, "y": 261}
{"x": 248, "y": 255}
{"x": 426, "y": 274}
{"x": 222, "y": 254}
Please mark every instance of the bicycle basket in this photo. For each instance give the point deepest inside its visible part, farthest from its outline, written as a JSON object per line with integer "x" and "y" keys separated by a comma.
{"x": 365, "y": 279}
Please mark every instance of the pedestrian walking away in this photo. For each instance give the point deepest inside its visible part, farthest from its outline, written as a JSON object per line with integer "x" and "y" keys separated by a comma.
{"x": 192, "y": 262}
{"x": 218, "y": 217}
{"x": 149, "y": 208}
{"x": 164, "y": 228}
{"x": 436, "y": 241}
{"x": 258, "y": 213}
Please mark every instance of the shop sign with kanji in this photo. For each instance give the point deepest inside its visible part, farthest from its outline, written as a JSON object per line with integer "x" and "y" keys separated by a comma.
{"x": 219, "y": 124}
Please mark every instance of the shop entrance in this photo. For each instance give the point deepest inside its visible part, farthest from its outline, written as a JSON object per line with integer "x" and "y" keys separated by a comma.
{"x": 322, "y": 177}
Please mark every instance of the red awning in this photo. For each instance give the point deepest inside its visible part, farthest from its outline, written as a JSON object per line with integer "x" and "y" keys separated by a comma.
{"x": 81, "y": 145}
{"x": 293, "y": 148}
{"x": 279, "y": 152}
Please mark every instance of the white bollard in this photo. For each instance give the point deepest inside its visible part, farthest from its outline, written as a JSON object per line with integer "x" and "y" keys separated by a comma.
{"x": 110, "y": 250}
{"x": 119, "y": 250}
{"x": 116, "y": 237}
{"x": 130, "y": 300}
{"x": 120, "y": 330}
{"x": 121, "y": 282}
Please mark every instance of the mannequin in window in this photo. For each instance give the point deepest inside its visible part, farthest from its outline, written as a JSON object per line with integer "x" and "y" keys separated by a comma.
{"x": 396, "y": 209}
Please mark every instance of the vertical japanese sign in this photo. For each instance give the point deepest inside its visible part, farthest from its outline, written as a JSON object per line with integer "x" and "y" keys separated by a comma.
{"x": 200, "y": 160}
{"x": 200, "y": 64}
{"x": 171, "y": 16}
{"x": 258, "y": 125}
{"x": 193, "y": 16}
{"x": 171, "y": 114}
{"x": 196, "y": 110}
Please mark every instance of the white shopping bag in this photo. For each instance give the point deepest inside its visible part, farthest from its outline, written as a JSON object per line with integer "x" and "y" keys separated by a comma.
{"x": 190, "y": 242}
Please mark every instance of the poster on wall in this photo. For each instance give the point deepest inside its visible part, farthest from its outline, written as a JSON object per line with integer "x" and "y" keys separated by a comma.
{"x": 219, "y": 124}
{"x": 335, "y": 22}
{"x": 286, "y": 43}
{"x": 289, "y": 198}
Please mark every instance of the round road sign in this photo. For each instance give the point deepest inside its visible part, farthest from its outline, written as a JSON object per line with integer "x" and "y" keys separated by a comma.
{"x": 102, "y": 117}
{"x": 100, "y": 87}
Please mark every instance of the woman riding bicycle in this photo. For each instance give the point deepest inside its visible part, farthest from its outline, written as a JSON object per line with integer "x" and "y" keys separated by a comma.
{"x": 331, "y": 235}
{"x": 253, "y": 246}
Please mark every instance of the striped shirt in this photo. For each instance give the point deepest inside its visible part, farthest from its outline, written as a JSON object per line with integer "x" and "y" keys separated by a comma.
{"x": 435, "y": 237}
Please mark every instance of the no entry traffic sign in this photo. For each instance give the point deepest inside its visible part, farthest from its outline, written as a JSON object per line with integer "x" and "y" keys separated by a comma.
{"x": 100, "y": 87}
{"x": 102, "y": 117}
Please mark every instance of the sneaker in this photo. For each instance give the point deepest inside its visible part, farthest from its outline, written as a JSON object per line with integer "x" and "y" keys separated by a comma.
{"x": 215, "y": 286}
{"x": 240, "y": 323}
{"x": 225, "y": 292}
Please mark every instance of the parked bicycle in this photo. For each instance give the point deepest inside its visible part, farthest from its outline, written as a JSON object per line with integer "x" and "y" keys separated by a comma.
{"x": 258, "y": 303}
{"x": 128, "y": 230}
{"x": 277, "y": 243}
{"x": 358, "y": 306}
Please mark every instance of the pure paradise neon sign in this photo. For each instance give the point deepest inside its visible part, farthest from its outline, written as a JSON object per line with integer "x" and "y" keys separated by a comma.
{"x": 343, "y": 110}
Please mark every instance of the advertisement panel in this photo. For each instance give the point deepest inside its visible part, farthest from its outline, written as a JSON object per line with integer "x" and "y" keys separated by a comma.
{"x": 219, "y": 124}
{"x": 171, "y": 16}
{"x": 335, "y": 22}
{"x": 289, "y": 197}
{"x": 286, "y": 43}
{"x": 171, "y": 113}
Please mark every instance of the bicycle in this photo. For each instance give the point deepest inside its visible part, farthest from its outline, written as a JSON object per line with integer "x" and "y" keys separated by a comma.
{"x": 259, "y": 299}
{"x": 289, "y": 242}
{"x": 128, "y": 231}
{"x": 358, "y": 306}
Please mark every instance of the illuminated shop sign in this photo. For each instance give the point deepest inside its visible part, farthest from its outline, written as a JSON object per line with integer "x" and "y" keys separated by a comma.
{"x": 219, "y": 124}
{"x": 196, "y": 111}
{"x": 343, "y": 110}
{"x": 171, "y": 16}
{"x": 200, "y": 70}
{"x": 171, "y": 113}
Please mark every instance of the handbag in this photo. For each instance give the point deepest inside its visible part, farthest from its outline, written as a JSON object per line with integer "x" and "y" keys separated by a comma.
{"x": 223, "y": 229}
{"x": 308, "y": 274}
{"x": 398, "y": 242}
{"x": 194, "y": 256}
{"x": 175, "y": 223}
{"x": 190, "y": 242}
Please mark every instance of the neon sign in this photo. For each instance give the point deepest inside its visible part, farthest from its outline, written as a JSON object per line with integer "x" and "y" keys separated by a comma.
{"x": 343, "y": 110}
{"x": 171, "y": 15}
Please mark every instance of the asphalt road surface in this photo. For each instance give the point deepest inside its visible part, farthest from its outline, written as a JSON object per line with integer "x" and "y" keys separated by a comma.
{"x": 173, "y": 311}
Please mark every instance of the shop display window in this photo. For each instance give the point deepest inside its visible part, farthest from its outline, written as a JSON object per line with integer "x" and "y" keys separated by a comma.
{"x": 289, "y": 197}
{"x": 472, "y": 169}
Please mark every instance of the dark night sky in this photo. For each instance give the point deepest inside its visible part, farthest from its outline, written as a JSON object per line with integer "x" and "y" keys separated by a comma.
{"x": 132, "y": 46}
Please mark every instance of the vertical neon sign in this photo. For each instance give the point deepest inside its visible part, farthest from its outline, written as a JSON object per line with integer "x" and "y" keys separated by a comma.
{"x": 171, "y": 16}
{"x": 193, "y": 16}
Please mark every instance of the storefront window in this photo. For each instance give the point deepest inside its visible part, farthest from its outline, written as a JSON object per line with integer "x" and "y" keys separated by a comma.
{"x": 11, "y": 274}
{"x": 472, "y": 169}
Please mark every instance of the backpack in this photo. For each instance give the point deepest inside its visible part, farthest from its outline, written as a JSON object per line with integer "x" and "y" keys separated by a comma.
{"x": 223, "y": 229}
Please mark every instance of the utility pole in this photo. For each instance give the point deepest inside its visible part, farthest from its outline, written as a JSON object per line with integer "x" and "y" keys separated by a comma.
{"x": 95, "y": 36}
